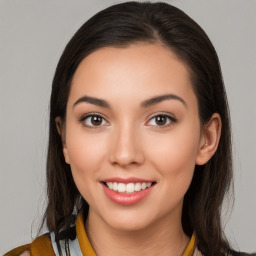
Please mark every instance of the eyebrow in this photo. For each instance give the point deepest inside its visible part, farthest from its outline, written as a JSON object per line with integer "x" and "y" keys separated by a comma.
{"x": 158, "y": 99}
{"x": 92, "y": 100}
{"x": 144, "y": 104}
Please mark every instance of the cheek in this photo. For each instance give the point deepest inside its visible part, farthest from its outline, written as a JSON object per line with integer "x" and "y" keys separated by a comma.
{"x": 86, "y": 154}
{"x": 174, "y": 153}
{"x": 174, "y": 158}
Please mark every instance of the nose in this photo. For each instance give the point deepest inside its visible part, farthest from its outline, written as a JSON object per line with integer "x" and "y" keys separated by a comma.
{"x": 126, "y": 147}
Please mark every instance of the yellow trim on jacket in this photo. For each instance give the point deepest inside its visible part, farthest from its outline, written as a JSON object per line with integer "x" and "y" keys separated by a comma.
{"x": 41, "y": 246}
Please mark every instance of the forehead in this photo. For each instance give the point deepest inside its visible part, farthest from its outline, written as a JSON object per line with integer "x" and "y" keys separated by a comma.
{"x": 137, "y": 71}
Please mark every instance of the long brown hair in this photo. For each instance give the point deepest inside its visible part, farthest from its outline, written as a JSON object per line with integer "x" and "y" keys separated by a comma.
{"x": 120, "y": 26}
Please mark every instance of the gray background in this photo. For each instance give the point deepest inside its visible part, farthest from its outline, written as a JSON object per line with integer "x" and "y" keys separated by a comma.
{"x": 33, "y": 34}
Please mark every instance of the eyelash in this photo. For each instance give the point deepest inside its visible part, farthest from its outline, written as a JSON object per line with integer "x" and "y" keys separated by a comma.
{"x": 83, "y": 119}
{"x": 171, "y": 121}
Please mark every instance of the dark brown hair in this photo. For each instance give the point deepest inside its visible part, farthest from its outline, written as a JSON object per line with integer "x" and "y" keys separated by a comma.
{"x": 120, "y": 26}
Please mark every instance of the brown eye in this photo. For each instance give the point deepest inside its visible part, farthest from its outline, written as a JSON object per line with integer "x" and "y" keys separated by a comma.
{"x": 93, "y": 121}
{"x": 96, "y": 120}
{"x": 161, "y": 120}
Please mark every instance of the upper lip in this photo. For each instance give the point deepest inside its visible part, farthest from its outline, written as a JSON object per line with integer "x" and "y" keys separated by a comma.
{"x": 127, "y": 180}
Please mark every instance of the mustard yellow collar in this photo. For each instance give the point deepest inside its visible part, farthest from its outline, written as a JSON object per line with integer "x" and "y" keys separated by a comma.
{"x": 83, "y": 240}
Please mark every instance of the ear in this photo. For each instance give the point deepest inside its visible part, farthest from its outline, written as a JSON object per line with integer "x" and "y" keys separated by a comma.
{"x": 61, "y": 130}
{"x": 209, "y": 140}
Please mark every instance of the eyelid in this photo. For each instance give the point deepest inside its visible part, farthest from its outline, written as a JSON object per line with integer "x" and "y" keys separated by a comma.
{"x": 164, "y": 114}
{"x": 85, "y": 116}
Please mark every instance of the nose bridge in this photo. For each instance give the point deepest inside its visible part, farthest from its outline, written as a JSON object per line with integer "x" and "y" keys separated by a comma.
{"x": 126, "y": 146}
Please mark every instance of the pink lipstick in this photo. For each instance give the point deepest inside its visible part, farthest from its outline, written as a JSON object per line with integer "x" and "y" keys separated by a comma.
{"x": 127, "y": 191}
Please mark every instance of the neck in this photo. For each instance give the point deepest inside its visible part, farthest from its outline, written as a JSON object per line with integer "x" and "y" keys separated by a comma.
{"x": 165, "y": 237}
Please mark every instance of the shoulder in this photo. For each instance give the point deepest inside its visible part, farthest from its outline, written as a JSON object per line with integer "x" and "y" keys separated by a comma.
{"x": 21, "y": 250}
{"x": 40, "y": 246}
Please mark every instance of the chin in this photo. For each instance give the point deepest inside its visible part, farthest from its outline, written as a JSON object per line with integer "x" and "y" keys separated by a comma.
{"x": 130, "y": 226}
{"x": 129, "y": 221}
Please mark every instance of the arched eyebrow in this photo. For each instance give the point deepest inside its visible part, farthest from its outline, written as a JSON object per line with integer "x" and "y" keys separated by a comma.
{"x": 144, "y": 104}
{"x": 92, "y": 100}
{"x": 158, "y": 99}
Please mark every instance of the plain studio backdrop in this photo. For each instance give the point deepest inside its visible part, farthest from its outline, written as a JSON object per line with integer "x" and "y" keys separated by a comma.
{"x": 33, "y": 34}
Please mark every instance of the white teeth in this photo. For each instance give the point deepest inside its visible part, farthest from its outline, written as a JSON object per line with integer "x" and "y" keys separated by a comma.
{"x": 128, "y": 188}
{"x": 110, "y": 185}
{"x": 148, "y": 184}
{"x": 121, "y": 187}
{"x": 114, "y": 186}
{"x": 137, "y": 187}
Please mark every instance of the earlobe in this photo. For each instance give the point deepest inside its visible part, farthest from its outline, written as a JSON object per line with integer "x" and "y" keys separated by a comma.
{"x": 209, "y": 140}
{"x": 66, "y": 156}
{"x": 61, "y": 131}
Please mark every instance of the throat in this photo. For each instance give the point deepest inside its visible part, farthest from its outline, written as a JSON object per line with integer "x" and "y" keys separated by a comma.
{"x": 140, "y": 242}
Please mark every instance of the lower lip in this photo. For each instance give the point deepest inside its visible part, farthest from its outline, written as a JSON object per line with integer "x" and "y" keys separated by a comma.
{"x": 126, "y": 199}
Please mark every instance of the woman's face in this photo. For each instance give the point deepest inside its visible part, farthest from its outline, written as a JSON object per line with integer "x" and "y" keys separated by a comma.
{"x": 132, "y": 135}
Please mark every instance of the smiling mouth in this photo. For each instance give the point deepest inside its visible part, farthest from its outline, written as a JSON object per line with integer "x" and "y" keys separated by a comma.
{"x": 128, "y": 188}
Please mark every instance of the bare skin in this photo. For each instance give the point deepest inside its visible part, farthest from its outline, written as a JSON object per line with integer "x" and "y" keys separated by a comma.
{"x": 127, "y": 140}
{"x": 26, "y": 253}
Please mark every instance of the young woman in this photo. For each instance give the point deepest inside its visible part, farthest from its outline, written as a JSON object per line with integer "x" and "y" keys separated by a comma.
{"x": 139, "y": 156}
